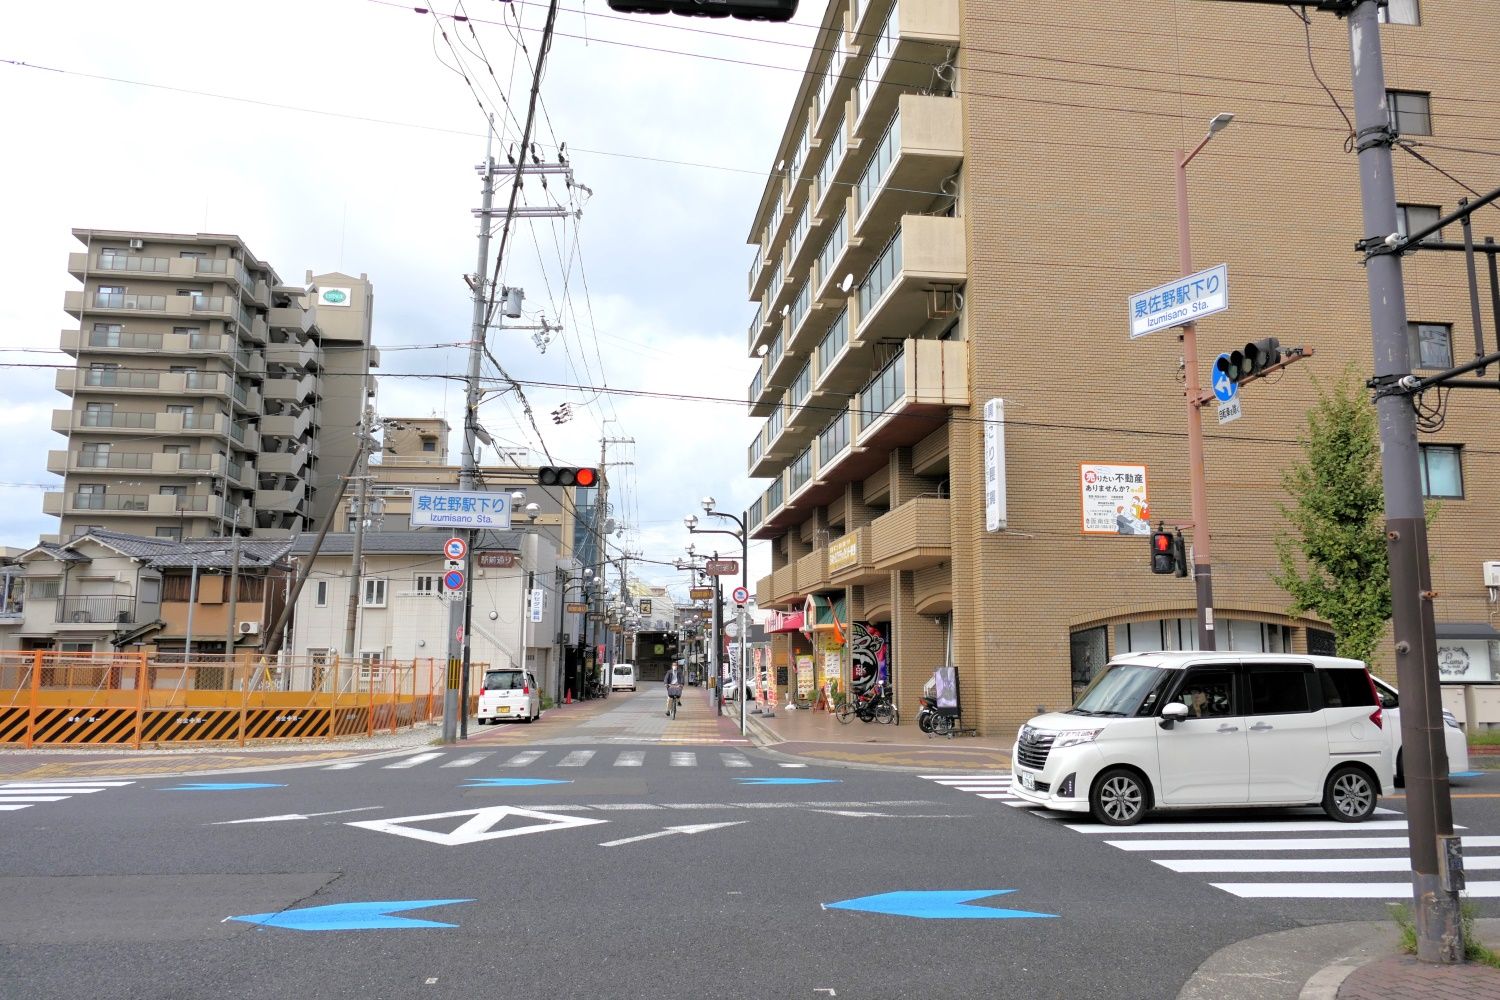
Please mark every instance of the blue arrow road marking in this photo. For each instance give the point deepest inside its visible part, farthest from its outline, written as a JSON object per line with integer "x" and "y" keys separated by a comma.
{"x": 350, "y": 916}
{"x": 935, "y": 904}
{"x": 789, "y": 781}
{"x": 513, "y": 782}
{"x": 219, "y": 786}
{"x": 1464, "y": 774}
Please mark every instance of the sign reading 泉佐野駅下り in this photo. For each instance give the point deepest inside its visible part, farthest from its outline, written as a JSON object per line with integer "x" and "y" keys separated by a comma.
{"x": 459, "y": 509}
{"x": 1178, "y": 302}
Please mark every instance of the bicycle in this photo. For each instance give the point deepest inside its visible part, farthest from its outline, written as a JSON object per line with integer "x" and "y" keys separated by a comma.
{"x": 674, "y": 698}
{"x": 878, "y": 707}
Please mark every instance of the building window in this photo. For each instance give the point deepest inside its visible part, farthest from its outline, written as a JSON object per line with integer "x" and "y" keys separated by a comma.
{"x": 374, "y": 596}
{"x": 425, "y": 584}
{"x": 41, "y": 589}
{"x": 1399, "y": 12}
{"x": 171, "y": 491}
{"x": 320, "y": 594}
{"x": 1430, "y": 344}
{"x": 1087, "y": 653}
{"x": 1442, "y": 471}
{"x": 1410, "y": 111}
{"x": 1415, "y": 218}
{"x": 173, "y": 534}
{"x": 369, "y": 667}
{"x": 428, "y": 444}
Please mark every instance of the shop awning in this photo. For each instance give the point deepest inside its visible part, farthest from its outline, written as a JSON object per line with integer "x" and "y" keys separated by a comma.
{"x": 784, "y": 622}
{"x": 820, "y": 613}
{"x": 1467, "y": 630}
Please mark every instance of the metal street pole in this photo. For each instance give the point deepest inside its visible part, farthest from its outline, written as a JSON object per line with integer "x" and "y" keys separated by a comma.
{"x": 1429, "y": 811}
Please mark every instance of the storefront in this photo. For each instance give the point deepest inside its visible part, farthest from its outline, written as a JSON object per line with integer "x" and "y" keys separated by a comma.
{"x": 1468, "y": 660}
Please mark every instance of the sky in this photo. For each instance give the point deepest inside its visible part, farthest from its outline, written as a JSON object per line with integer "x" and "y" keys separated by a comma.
{"x": 344, "y": 135}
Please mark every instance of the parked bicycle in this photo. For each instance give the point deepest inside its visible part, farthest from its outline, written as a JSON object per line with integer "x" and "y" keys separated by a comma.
{"x": 876, "y": 707}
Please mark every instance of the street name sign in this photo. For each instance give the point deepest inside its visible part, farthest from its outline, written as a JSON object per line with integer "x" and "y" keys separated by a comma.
{"x": 1230, "y": 410}
{"x": 459, "y": 509}
{"x": 1177, "y": 302}
{"x": 701, "y": 594}
{"x": 721, "y": 567}
{"x": 576, "y": 607}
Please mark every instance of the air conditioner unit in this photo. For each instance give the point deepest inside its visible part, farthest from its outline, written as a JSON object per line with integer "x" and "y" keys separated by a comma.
{"x": 1492, "y": 574}
{"x": 249, "y": 628}
{"x": 137, "y": 244}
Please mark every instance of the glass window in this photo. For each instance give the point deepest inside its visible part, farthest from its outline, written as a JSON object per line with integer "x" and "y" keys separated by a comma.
{"x": 374, "y": 593}
{"x": 1278, "y": 690}
{"x": 1122, "y": 689}
{"x": 1087, "y": 652}
{"x": 1442, "y": 471}
{"x": 1399, "y": 12}
{"x": 1430, "y": 345}
{"x": 1345, "y": 688}
{"x": 834, "y": 438}
{"x": 1410, "y": 111}
{"x": 320, "y": 594}
{"x": 1208, "y": 692}
{"x": 507, "y": 680}
{"x": 425, "y": 584}
{"x": 1415, "y": 218}
{"x": 833, "y": 342}
{"x": 175, "y": 534}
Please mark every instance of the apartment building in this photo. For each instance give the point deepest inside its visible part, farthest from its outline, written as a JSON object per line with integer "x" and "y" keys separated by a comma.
{"x": 965, "y": 197}
{"x": 208, "y": 396}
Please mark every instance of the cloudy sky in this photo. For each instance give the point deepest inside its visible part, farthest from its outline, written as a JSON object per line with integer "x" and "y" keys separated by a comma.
{"x": 342, "y": 135}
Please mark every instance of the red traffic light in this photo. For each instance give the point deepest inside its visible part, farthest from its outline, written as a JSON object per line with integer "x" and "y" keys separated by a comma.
{"x": 1161, "y": 541}
{"x": 555, "y": 476}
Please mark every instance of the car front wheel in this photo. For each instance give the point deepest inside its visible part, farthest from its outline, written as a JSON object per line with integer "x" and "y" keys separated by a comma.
{"x": 1349, "y": 795}
{"x": 1118, "y": 798}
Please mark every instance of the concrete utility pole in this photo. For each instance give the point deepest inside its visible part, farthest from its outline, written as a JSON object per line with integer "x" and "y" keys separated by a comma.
{"x": 1435, "y": 852}
{"x": 231, "y": 628}
{"x": 356, "y": 565}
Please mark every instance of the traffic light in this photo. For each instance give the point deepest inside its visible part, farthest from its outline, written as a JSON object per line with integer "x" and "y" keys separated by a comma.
{"x": 1163, "y": 553}
{"x": 556, "y": 476}
{"x": 1250, "y": 361}
{"x": 745, "y": 10}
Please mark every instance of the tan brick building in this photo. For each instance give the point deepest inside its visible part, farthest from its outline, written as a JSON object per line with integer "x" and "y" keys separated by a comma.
{"x": 965, "y": 196}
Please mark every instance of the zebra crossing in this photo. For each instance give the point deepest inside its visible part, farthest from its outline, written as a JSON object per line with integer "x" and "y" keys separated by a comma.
{"x": 18, "y": 795}
{"x": 545, "y": 758}
{"x": 1291, "y": 855}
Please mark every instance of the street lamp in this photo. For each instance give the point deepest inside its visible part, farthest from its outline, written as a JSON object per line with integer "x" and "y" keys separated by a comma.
{"x": 743, "y": 535}
{"x": 1203, "y": 577}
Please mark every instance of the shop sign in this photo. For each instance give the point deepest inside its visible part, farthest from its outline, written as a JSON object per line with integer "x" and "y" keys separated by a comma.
{"x": 1114, "y": 499}
{"x": 804, "y": 676}
{"x": 701, "y": 594}
{"x": 1464, "y": 661}
{"x": 497, "y": 560}
{"x": 843, "y": 552}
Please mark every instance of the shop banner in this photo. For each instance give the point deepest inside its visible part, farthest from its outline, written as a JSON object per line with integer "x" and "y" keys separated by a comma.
{"x": 868, "y": 658}
{"x": 804, "y": 677}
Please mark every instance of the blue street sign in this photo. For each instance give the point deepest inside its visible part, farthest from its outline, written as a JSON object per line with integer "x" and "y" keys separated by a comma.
{"x": 350, "y": 916}
{"x": 453, "y": 580}
{"x": 1224, "y": 389}
{"x": 513, "y": 782}
{"x": 935, "y": 904}
{"x": 219, "y": 786}
{"x": 788, "y": 781}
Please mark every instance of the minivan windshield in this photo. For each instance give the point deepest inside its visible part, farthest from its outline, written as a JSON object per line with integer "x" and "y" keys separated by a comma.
{"x": 503, "y": 680}
{"x": 622, "y": 671}
{"x": 1119, "y": 690}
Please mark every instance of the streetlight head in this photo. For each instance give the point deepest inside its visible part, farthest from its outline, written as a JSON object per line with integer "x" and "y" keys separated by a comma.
{"x": 1219, "y": 122}
{"x": 690, "y": 521}
{"x": 518, "y": 495}
{"x": 708, "y": 503}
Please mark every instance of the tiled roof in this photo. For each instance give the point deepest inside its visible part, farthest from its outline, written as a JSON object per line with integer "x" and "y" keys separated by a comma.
{"x": 217, "y": 553}
{"x": 400, "y": 542}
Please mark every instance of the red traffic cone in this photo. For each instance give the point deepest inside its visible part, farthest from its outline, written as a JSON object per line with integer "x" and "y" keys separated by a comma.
{"x": 568, "y": 697}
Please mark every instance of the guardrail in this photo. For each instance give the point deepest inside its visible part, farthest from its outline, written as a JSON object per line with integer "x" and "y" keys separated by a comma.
{"x": 134, "y": 699}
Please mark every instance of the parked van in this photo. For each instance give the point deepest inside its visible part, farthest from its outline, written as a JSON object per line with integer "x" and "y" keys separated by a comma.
{"x": 622, "y": 677}
{"x": 509, "y": 693}
{"x": 1454, "y": 739}
{"x": 1171, "y": 730}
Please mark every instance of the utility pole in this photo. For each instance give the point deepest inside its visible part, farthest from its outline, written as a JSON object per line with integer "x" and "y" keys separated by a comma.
{"x": 187, "y": 645}
{"x": 356, "y": 566}
{"x": 231, "y": 629}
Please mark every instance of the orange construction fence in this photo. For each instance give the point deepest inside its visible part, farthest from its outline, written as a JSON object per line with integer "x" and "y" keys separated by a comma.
{"x": 135, "y": 698}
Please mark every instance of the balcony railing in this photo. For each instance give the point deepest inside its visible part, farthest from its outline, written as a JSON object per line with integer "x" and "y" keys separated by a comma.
{"x": 114, "y": 378}
{"x": 122, "y": 262}
{"x": 800, "y": 471}
{"x": 884, "y": 390}
{"x": 96, "y": 610}
{"x": 109, "y": 501}
{"x": 196, "y": 463}
{"x": 122, "y": 300}
{"x": 881, "y": 275}
{"x": 833, "y": 342}
{"x": 126, "y": 341}
{"x": 833, "y": 439}
{"x": 113, "y": 459}
{"x": 98, "y": 418}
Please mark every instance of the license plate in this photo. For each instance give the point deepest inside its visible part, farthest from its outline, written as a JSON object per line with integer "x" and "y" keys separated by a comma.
{"x": 504, "y": 709}
{"x": 1028, "y": 781}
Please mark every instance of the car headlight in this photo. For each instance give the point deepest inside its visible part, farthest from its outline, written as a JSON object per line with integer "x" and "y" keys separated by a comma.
{"x": 1451, "y": 720}
{"x": 1075, "y": 737}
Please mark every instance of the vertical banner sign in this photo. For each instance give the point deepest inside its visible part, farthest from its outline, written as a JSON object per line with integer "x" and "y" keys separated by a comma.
{"x": 994, "y": 465}
{"x": 1114, "y": 499}
{"x": 804, "y": 677}
{"x": 538, "y": 600}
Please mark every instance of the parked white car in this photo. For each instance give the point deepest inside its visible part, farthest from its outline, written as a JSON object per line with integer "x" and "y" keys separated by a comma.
{"x": 622, "y": 677}
{"x": 508, "y": 694}
{"x": 1171, "y": 730}
{"x": 1454, "y": 739}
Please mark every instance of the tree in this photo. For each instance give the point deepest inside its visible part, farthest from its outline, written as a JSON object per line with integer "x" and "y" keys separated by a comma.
{"x": 1338, "y": 517}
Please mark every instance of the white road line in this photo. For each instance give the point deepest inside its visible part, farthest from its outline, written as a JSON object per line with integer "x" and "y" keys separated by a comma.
{"x": 420, "y": 758}
{"x": 980, "y": 788}
{"x": 346, "y": 765}
{"x": 1278, "y": 844}
{"x": 576, "y": 758}
{"x": 1285, "y": 826}
{"x": 969, "y": 782}
{"x": 626, "y": 806}
{"x": 12, "y": 808}
{"x": 966, "y": 777}
{"x": 630, "y": 758}
{"x": 31, "y": 798}
{"x": 1341, "y": 890}
{"x": 1304, "y": 865}
{"x": 734, "y": 760}
{"x": 469, "y": 761}
{"x": 684, "y": 758}
{"x": 999, "y": 795}
{"x": 524, "y": 758}
{"x": 791, "y": 765}
{"x": 69, "y": 786}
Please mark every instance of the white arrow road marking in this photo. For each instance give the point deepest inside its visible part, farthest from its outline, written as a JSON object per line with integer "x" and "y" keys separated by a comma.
{"x": 695, "y": 828}
{"x": 477, "y": 827}
{"x": 291, "y": 816}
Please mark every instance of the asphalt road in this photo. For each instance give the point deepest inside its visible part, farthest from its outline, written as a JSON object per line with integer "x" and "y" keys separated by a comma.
{"x": 578, "y": 885}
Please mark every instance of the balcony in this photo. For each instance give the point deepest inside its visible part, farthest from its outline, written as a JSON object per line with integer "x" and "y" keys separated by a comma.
{"x": 147, "y": 504}
{"x": 784, "y": 586}
{"x": 283, "y": 463}
{"x": 294, "y": 318}
{"x": 155, "y": 463}
{"x": 914, "y": 39}
{"x": 912, "y": 395}
{"x": 290, "y": 389}
{"x": 287, "y": 425}
{"x": 893, "y": 301}
{"x": 913, "y": 536}
{"x": 281, "y": 501}
{"x": 851, "y": 559}
{"x": 812, "y": 571}
{"x": 69, "y": 421}
{"x": 96, "y": 611}
{"x": 300, "y": 357}
{"x": 909, "y": 163}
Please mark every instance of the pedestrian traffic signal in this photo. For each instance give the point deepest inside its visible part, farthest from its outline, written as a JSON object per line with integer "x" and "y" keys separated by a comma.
{"x": 745, "y": 10}
{"x": 1163, "y": 553}
{"x": 1250, "y": 361}
{"x": 555, "y": 476}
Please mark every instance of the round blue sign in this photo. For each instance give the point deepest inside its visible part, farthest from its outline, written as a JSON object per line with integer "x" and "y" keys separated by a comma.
{"x": 453, "y": 580}
{"x": 1224, "y": 389}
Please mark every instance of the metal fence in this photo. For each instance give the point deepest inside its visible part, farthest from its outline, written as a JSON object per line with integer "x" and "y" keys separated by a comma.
{"x": 133, "y": 699}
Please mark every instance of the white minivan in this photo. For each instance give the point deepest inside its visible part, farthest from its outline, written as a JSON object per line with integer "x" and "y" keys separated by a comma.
{"x": 1454, "y": 739}
{"x": 622, "y": 677}
{"x": 507, "y": 694}
{"x": 1172, "y": 730}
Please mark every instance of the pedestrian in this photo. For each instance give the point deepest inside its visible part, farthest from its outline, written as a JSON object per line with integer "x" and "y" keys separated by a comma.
{"x": 674, "y": 686}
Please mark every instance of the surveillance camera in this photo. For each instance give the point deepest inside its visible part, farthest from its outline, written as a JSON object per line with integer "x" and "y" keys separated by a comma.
{"x": 1393, "y": 239}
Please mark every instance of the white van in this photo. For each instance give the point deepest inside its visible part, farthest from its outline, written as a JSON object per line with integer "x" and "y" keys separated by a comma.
{"x": 509, "y": 693}
{"x": 622, "y": 677}
{"x": 1454, "y": 739}
{"x": 1171, "y": 730}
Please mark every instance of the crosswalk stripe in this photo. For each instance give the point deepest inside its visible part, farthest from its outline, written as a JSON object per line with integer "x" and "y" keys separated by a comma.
{"x": 966, "y": 777}
{"x": 966, "y": 782}
{"x": 684, "y": 758}
{"x": 791, "y": 765}
{"x": 576, "y": 758}
{"x": 630, "y": 758}
{"x": 1284, "y": 826}
{"x": 420, "y": 758}
{"x": 1341, "y": 890}
{"x": 68, "y": 786}
{"x": 1263, "y": 865}
{"x": 12, "y": 808}
{"x": 999, "y": 795}
{"x": 469, "y": 761}
{"x": 734, "y": 760}
{"x": 31, "y": 798}
{"x": 344, "y": 765}
{"x": 524, "y": 758}
{"x": 1278, "y": 844}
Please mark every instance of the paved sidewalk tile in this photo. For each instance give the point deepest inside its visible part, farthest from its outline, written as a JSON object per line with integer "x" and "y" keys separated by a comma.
{"x": 1409, "y": 979}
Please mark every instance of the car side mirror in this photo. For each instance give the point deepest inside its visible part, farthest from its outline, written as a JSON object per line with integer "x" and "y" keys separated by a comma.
{"x": 1388, "y": 700}
{"x": 1171, "y": 712}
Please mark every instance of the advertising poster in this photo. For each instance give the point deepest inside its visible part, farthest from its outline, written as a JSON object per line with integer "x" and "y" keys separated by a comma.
{"x": 804, "y": 676}
{"x": 1114, "y": 499}
{"x": 868, "y": 658}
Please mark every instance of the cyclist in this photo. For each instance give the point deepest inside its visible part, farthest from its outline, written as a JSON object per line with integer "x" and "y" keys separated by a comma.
{"x": 674, "y": 681}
